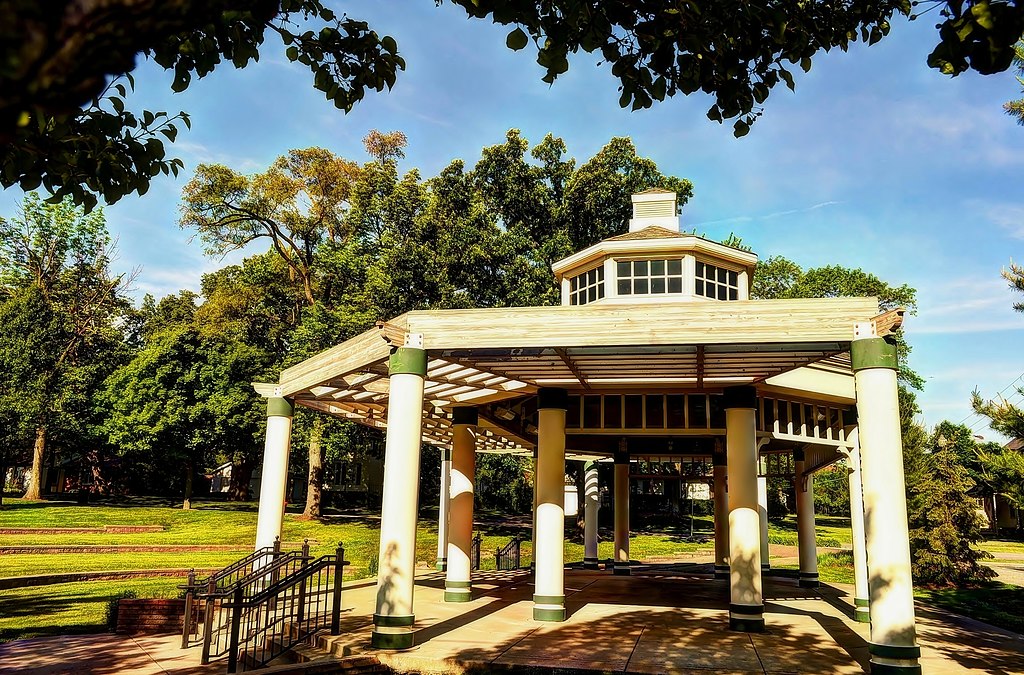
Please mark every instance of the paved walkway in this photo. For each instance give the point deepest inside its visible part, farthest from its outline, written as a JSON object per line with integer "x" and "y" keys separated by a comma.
{"x": 664, "y": 619}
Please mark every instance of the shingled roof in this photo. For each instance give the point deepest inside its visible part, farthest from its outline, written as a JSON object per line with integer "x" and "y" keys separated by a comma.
{"x": 652, "y": 232}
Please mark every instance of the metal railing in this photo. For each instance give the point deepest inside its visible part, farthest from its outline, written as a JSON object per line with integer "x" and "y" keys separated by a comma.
{"x": 509, "y": 556}
{"x": 294, "y": 609}
{"x": 474, "y": 552}
{"x": 198, "y": 590}
{"x": 207, "y": 619}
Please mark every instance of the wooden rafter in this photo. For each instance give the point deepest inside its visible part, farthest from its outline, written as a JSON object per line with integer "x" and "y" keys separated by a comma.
{"x": 573, "y": 368}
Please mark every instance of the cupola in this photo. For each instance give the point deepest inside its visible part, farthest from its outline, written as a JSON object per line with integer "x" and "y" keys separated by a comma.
{"x": 655, "y": 262}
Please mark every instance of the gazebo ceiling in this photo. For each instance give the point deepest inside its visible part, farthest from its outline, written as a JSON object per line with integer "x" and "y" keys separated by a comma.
{"x": 486, "y": 356}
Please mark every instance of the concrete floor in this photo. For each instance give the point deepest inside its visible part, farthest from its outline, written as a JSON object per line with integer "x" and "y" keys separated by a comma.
{"x": 664, "y": 619}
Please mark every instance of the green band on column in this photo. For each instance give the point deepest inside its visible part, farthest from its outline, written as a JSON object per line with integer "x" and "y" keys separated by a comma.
{"x": 385, "y": 621}
{"x": 890, "y": 669}
{"x": 543, "y": 614}
{"x": 591, "y": 465}
{"x": 408, "y": 360}
{"x": 549, "y": 599}
{"x": 873, "y": 353}
{"x": 862, "y": 615}
{"x": 750, "y": 610}
{"x": 861, "y": 602}
{"x": 739, "y": 397}
{"x": 746, "y": 625}
{"x": 392, "y": 640}
{"x": 465, "y": 415}
{"x": 458, "y": 584}
{"x": 462, "y": 595}
{"x": 552, "y": 397}
{"x": 442, "y": 565}
{"x": 905, "y": 652}
{"x": 279, "y": 407}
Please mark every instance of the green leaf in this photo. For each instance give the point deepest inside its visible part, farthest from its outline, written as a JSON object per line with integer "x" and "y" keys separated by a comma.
{"x": 517, "y": 40}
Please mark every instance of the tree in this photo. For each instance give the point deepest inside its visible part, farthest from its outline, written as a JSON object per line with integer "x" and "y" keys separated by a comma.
{"x": 778, "y": 277}
{"x": 183, "y": 400}
{"x": 1016, "y": 108}
{"x": 59, "y": 58}
{"x": 945, "y": 523}
{"x": 61, "y": 305}
{"x": 1015, "y": 277}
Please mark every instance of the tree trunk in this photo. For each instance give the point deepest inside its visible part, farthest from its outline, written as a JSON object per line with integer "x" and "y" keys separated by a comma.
{"x": 189, "y": 471}
{"x": 316, "y": 470}
{"x": 35, "y": 486}
{"x": 241, "y": 476}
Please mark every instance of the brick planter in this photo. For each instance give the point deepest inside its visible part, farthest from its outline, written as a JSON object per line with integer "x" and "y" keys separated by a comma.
{"x": 150, "y": 615}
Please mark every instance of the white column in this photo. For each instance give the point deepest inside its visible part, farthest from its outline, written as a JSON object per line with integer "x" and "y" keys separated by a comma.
{"x": 444, "y": 500}
{"x": 621, "y": 563}
{"x": 274, "y": 481}
{"x": 393, "y": 619}
{"x": 860, "y": 559}
{"x": 549, "y": 589}
{"x": 591, "y": 504}
{"x": 746, "y": 606}
{"x": 762, "y": 516}
{"x": 533, "y": 516}
{"x": 893, "y": 644}
{"x": 807, "y": 545}
{"x": 721, "y": 513}
{"x": 458, "y": 585}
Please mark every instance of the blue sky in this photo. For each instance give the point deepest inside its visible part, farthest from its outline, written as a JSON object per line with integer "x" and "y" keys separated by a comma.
{"x": 876, "y": 161}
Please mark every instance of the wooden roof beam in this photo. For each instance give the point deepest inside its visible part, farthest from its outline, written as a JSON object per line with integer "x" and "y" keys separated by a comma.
{"x": 564, "y": 355}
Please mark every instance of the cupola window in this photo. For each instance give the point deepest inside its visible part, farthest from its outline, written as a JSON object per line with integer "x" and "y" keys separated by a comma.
{"x": 643, "y": 277}
{"x": 587, "y": 287}
{"x": 716, "y": 283}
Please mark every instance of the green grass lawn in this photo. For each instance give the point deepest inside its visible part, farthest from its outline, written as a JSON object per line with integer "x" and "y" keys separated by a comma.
{"x": 997, "y": 546}
{"x": 79, "y": 607}
{"x": 831, "y": 531}
{"x": 64, "y": 609}
{"x": 33, "y": 563}
{"x": 995, "y": 603}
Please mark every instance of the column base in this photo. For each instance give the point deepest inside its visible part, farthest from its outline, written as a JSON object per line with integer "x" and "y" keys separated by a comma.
{"x": 590, "y": 563}
{"x": 458, "y": 591}
{"x": 900, "y": 659}
{"x": 808, "y": 580}
{"x": 393, "y": 632}
{"x": 549, "y": 608}
{"x": 746, "y": 618}
{"x": 442, "y": 565}
{"x": 721, "y": 571}
{"x": 861, "y": 610}
{"x": 891, "y": 669}
{"x": 621, "y": 569}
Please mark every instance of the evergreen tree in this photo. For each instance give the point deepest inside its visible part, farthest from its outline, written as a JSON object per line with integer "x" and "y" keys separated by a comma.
{"x": 944, "y": 519}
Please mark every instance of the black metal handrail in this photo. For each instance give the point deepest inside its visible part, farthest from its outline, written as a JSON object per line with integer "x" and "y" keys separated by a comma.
{"x": 294, "y": 609}
{"x": 509, "y": 556}
{"x": 205, "y": 605}
{"x": 196, "y": 590}
{"x": 474, "y": 552}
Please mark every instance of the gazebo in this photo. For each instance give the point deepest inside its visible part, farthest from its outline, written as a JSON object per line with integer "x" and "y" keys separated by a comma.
{"x": 656, "y": 352}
